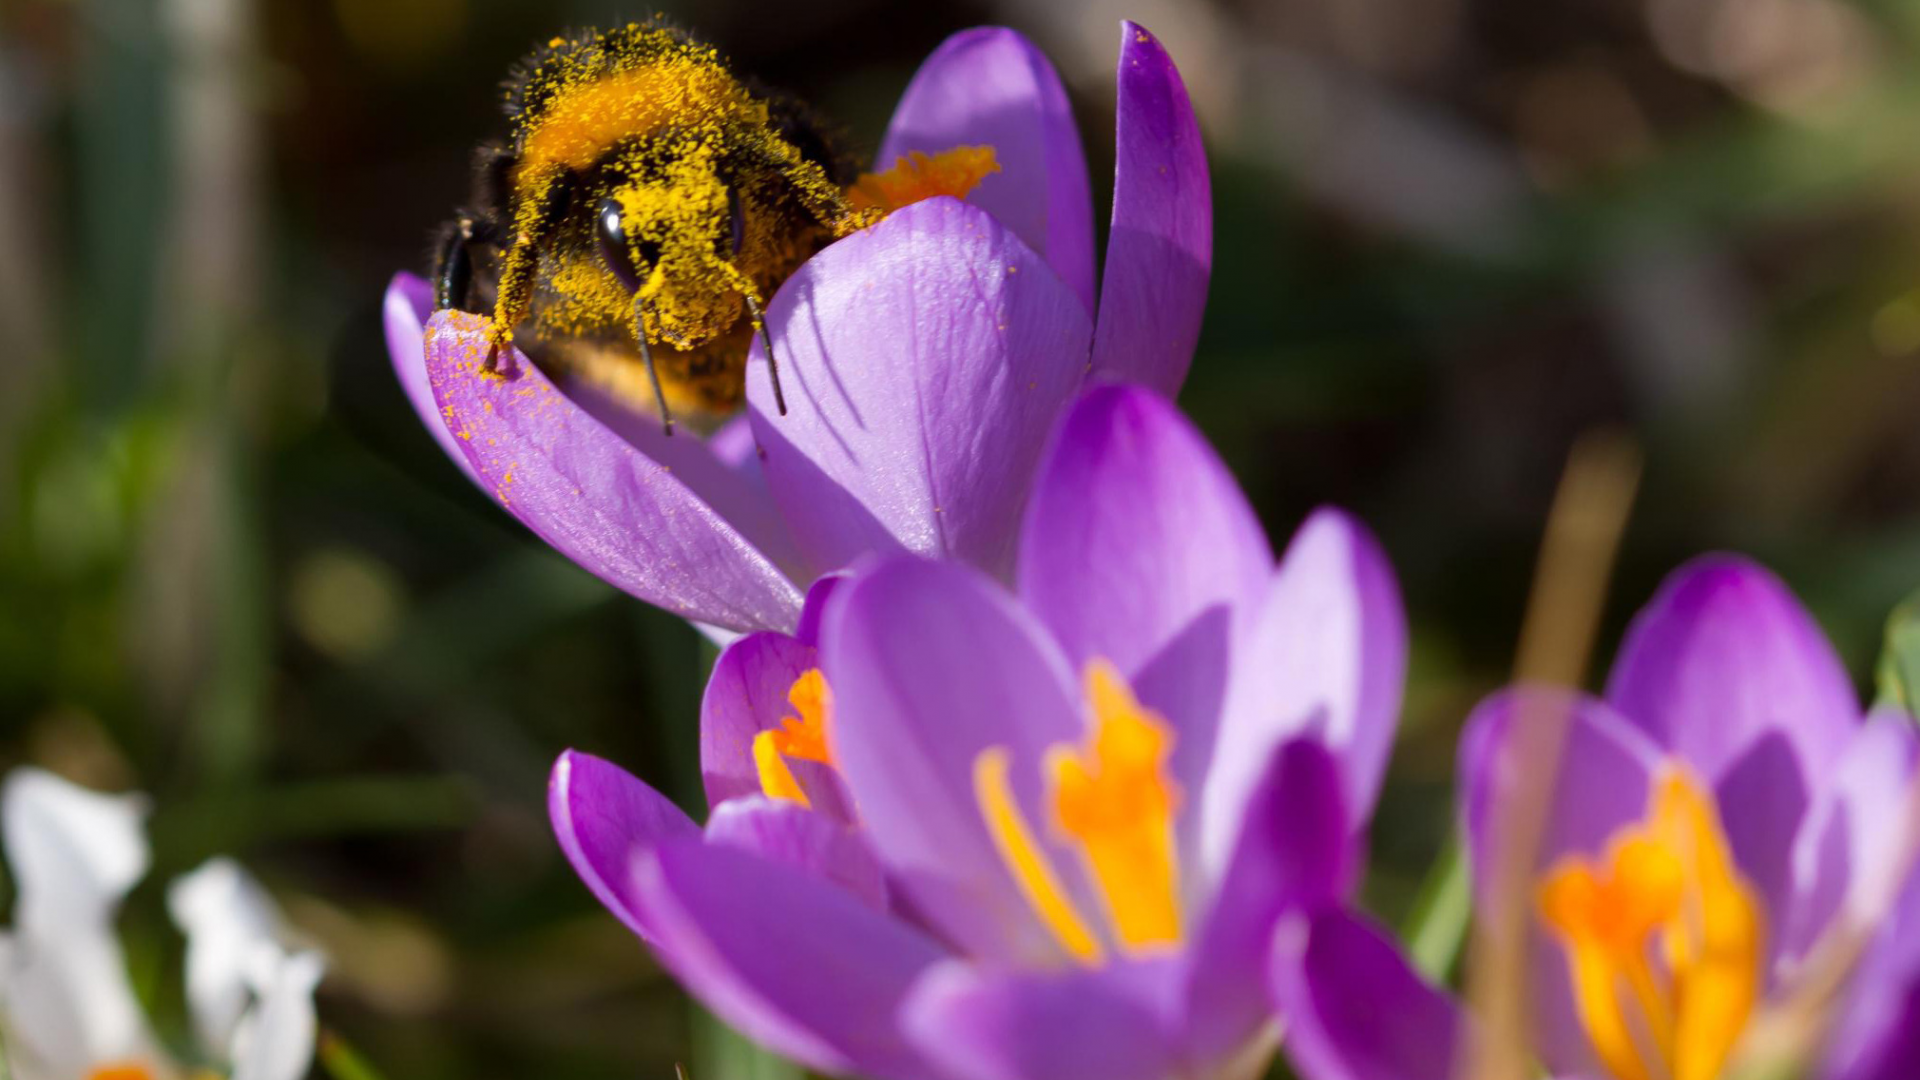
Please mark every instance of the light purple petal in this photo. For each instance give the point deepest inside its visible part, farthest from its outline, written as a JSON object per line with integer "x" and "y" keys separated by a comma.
{"x": 929, "y": 666}
{"x": 1855, "y": 838}
{"x": 602, "y": 815}
{"x": 818, "y": 594}
{"x": 990, "y": 87}
{"x": 1763, "y": 802}
{"x": 1070, "y": 1025}
{"x": 1606, "y": 771}
{"x": 924, "y": 361}
{"x": 795, "y": 963}
{"x": 590, "y": 494}
{"x": 1327, "y": 656}
{"x": 1139, "y": 549}
{"x": 789, "y": 833}
{"x": 1296, "y": 852}
{"x": 1724, "y": 654}
{"x": 747, "y": 694}
{"x": 1354, "y": 1009}
{"x": 408, "y": 305}
{"x": 1876, "y": 1034}
{"x": 731, "y": 485}
{"x": 1153, "y": 291}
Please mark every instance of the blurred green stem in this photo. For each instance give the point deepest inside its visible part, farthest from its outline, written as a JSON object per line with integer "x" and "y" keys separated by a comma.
{"x": 720, "y": 1053}
{"x": 1437, "y": 927}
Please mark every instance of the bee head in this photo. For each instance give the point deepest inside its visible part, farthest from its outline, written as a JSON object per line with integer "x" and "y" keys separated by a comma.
{"x": 674, "y": 240}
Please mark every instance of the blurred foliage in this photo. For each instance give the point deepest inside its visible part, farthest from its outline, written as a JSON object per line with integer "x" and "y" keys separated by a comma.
{"x": 1452, "y": 235}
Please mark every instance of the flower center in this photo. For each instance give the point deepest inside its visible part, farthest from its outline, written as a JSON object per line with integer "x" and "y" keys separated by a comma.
{"x": 801, "y": 738}
{"x": 126, "y": 1070}
{"x": 919, "y": 176}
{"x": 1111, "y": 799}
{"x": 1666, "y": 891}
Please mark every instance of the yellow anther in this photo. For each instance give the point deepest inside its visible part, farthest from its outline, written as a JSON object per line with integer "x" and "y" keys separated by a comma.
{"x": 802, "y": 738}
{"x": 1113, "y": 798}
{"x": 917, "y": 176}
{"x": 1024, "y": 857}
{"x": 1666, "y": 890}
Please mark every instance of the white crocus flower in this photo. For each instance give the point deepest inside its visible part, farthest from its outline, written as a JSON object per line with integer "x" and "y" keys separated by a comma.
{"x": 67, "y": 1008}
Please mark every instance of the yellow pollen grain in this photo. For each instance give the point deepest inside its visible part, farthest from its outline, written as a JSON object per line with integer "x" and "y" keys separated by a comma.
{"x": 919, "y": 176}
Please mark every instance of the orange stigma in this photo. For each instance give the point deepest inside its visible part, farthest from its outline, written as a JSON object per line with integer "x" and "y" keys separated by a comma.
{"x": 1110, "y": 798}
{"x": 801, "y": 738}
{"x": 1663, "y": 939}
{"x": 918, "y": 176}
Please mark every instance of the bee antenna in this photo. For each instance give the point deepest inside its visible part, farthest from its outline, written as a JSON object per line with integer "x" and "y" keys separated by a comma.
{"x": 773, "y": 365}
{"x": 653, "y": 373}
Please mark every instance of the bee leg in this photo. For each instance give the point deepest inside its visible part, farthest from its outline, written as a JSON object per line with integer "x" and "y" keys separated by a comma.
{"x": 773, "y": 365}
{"x": 453, "y": 266}
{"x": 653, "y": 374}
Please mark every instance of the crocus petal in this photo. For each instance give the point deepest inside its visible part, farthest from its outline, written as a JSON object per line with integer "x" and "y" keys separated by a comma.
{"x": 1139, "y": 549}
{"x": 1606, "y": 771}
{"x": 75, "y": 853}
{"x": 65, "y": 997}
{"x": 991, "y": 87}
{"x": 408, "y": 305}
{"x": 1763, "y": 801}
{"x": 276, "y": 1037}
{"x": 602, "y": 816}
{"x": 924, "y": 360}
{"x": 1003, "y": 1025}
{"x": 589, "y": 493}
{"x": 746, "y": 695}
{"x": 807, "y": 840}
{"x": 1160, "y": 250}
{"x": 1724, "y": 654}
{"x": 1855, "y": 839}
{"x": 717, "y": 470}
{"x": 1296, "y": 852}
{"x": 1876, "y": 1032}
{"x": 930, "y": 665}
{"x": 1327, "y": 656}
{"x": 227, "y": 918}
{"x": 795, "y": 963}
{"x": 1354, "y": 1008}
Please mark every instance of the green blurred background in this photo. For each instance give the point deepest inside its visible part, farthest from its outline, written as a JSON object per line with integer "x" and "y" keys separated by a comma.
{"x": 1452, "y": 235}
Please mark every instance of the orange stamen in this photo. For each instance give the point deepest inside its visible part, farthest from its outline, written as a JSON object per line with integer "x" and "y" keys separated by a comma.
{"x": 918, "y": 176}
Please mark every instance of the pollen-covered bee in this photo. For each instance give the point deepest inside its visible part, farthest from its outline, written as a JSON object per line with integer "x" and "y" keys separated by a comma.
{"x": 644, "y": 209}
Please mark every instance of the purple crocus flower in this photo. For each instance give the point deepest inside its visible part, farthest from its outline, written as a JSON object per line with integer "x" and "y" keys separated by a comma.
{"x": 924, "y": 359}
{"x": 965, "y": 834}
{"x": 1719, "y": 823}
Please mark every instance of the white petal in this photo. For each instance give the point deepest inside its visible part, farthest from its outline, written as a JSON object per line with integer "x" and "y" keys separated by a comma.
{"x": 75, "y": 853}
{"x": 227, "y": 918}
{"x": 275, "y": 1039}
{"x": 66, "y": 1001}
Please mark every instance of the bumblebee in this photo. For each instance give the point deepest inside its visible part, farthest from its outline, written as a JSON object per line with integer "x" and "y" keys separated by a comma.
{"x": 645, "y": 206}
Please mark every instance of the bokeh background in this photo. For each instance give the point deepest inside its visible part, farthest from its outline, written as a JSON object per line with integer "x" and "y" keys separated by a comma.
{"x": 1452, "y": 236}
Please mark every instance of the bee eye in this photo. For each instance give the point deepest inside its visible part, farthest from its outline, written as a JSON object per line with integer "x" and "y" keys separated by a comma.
{"x": 612, "y": 235}
{"x": 737, "y": 218}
